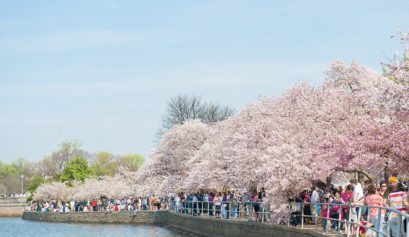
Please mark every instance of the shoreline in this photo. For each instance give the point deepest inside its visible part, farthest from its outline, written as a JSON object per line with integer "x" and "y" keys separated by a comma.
{"x": 197, "y": 226}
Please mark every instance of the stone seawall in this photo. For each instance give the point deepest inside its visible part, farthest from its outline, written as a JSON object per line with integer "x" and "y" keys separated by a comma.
{"x": 210, "y": 227}
{"x": 11, "y": 211}
{"x": 199, "y": 226}
{"x": 12, "y": 206}
{"x": 145, "y": 217}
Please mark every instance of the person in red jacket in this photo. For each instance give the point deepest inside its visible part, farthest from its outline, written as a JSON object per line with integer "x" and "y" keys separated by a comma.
{"x": 94, "y": 204}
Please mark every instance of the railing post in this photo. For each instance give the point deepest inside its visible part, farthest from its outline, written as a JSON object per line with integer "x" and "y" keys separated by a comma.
{"x": 238, "y": 210}
{"x": 399, "y": 225}
{"x": 367, "y": 218}
{"x": 349, "y": 224}
{"x": 316, "y": 214}
{"x": 302, "y": 215}
{"x": 229, "y": 216}
{"x": 388, "y": 226}
{"x": 208, "y": 208}
{"x": 358, "y": 221}
{"x": 339, "y": 219}
{"x": 327, "y": 221}
{"x": 378, "y": 222}
{"x": 251, "y": 211}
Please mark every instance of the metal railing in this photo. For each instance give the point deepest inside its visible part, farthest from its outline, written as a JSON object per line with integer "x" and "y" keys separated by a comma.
{"x": 248, "y": 211}
{"x": 12, "y": 201}
{"x": 338, "y": 216}
{"x": 386, "y": 221}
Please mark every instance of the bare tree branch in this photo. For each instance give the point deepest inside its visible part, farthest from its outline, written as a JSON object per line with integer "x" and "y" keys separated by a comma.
{"x": 183, "y": 107}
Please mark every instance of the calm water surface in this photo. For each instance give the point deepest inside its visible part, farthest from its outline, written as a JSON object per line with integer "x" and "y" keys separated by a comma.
{"x": 17, "y": 227}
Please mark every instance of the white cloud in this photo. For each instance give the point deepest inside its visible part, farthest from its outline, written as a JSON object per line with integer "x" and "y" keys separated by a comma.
{"x": 60, "y": 41}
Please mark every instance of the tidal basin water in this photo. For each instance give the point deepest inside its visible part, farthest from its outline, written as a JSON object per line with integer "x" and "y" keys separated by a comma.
{"x": 16, "y": 227}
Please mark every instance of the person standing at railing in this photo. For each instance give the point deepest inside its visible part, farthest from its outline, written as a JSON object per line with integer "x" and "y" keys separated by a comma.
{"x": 266, "y": 208}
{"x": 357, "y": 201}
{"x": 227, "y": 205}
{"x": 152, "y": 202}
{"x": 200, "y": 205}
{"x": 156, "y": 203}
{"x": 94, "y": 205}
{"x": 205, "y": 203}
{"x": 397, "y": 201}
{"x": 256, "y": 206}
{"x": 307, "y": 207}
{"x": 217, "y": 202}
{"x": 224, "y": 205}
{"x": 335, "y": 213}
{"x": 374, "y": 199}
{"x": 177, "y": 203}
{"x": 315, "y": 197}
{"x": 346, "y": 198}
{"x": 72, "y": 205}
{"x": 295, "y": 207}
{"x": 234, "y": 204}
{"x": 210, "y": 198}
{"x": 194, "y": 201}
{"x": 325, "y": 212}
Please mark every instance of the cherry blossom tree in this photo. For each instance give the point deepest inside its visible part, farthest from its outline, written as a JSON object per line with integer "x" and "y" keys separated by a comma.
{"x": 112, "y": 187}
{"x": 356, "y": 121}
{"x": 398, "y": 69}
{"x": 53, "y": 191}
{"x": 166, "y": 168}
{"x": 284, "y": 143}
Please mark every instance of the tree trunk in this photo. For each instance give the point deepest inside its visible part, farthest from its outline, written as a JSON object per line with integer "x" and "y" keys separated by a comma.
{"x": 329, "y": 180}
{"x": 362, "y": 174}
{"x": 385, "y": 172}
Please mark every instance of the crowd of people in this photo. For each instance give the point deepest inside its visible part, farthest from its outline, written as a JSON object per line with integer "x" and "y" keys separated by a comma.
{"x": 102, "y": 203}
{"x": 224, "y": 205}
{"x": 13, "y": 195}
{"x": 346, "y": 203}
{"x": 353, "y": 203}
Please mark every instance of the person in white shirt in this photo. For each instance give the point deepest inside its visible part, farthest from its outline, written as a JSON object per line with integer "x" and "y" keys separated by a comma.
{"x": 315, "y": 197}
{"x": 177, "y": 203}
{"x": 357, "y": 200}
{"x": 357, "y": 197}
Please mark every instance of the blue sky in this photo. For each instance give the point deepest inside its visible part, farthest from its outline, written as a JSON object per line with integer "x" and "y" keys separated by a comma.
{"x": 101, "y": 71}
